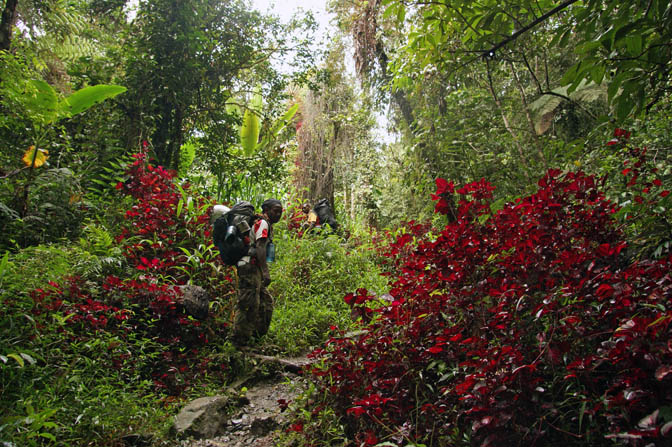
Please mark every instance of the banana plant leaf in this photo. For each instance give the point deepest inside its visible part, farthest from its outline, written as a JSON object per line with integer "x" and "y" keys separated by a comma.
{"x": 87, "y": 97}
{"x": 251, "y": 125}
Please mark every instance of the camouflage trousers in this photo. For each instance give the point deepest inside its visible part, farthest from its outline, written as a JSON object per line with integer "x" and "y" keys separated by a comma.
{"x": 254, "y": 305}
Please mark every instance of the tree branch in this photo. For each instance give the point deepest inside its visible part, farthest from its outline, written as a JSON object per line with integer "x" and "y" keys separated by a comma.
{"x": 532, "y": 73}
{"x": 491, "y": 52}
{"x": 14, "y": 172}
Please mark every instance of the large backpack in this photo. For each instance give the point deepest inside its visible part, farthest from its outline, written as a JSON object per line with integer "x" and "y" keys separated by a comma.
{"x": 232, "y": 232}
{"x": 325, "y": 213}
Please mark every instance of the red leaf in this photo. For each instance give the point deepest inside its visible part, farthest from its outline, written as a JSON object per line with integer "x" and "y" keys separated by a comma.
{"x": 605, "y": 250}
{"x": 465, "y": 386}
{"x": 663, "y": 371}
{"x": 370, "y": 438}
{"x": 357, "y": 411}
{"x": 297, "y": 427}
{"x": 604, "y": 291}
{"x": 621, "y": 133}
{"x": 443, "y": 186}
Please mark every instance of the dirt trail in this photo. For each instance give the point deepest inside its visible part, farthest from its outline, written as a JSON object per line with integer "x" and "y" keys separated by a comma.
{"x": 258, "y": 422}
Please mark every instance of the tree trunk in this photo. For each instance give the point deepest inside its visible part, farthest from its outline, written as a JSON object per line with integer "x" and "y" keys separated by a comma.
{"x": 6, "y": 24}
{"x": 398, "y": 96}
{"x": 352, "y": 203}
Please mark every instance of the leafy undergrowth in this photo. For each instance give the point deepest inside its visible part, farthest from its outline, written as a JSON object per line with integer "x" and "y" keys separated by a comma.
{"x": 99, "y": 347}
{"x": 94, "y": 357}
{"x": 524, "y": 326}
{"x": 310, "y": 275}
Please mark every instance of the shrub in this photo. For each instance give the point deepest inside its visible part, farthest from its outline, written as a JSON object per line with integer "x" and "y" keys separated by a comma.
{"x": 525, "y": 326}
{"x": 54, "y": 210}
{"x": 76, "y": 341}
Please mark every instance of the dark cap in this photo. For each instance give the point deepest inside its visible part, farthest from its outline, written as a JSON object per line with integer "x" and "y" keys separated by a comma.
{"x": 270, "y": 203}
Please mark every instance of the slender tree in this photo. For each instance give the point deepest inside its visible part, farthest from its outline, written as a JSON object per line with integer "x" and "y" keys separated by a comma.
{"x": 6, "y": 23}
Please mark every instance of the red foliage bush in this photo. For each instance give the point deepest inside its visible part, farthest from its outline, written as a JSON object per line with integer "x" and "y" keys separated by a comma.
{"x": 154, "y": 230}
{"x": 141, "y": 308}
{"x": 526, "y": 326}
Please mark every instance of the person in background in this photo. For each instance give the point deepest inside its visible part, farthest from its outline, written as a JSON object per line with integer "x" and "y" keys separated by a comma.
{"x": 312, "y": 220}
{"x": 254, "y": 306}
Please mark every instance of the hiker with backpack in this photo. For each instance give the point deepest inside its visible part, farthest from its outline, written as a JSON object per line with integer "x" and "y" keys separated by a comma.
{"x": 320, "y": 215}
{"x": 245, "y": 240}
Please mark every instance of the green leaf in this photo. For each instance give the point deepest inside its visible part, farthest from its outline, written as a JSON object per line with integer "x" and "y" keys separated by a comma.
{"x": 571, "y": 74}
{"x": 257, "y": 100}
{"x": 87, "y": 97}
{"x": 624, "y": 28}
{"x": 401, "y": 13}
{"x": 581, "y": 413}
{"x": 634, "y": 44}
{"x": 624, "y": 105}
{"x": 498, "y": 205}
{"x": 41, "y": 101}
{"x": 586, "y": 47}
{"x": 390, "y": 10}
{"x": 607, "y": 39}
{"x": 280, "y": 124}
{"x": 483, "y": 218}
{"x": 3, "y": 264}
{"x": 561, "y": 37}
{"x": 615, "y": 84}
{"x": 18, "y": 359}
{"x": 597, "y": 73}
{"x": 249, "y": 132}
{"x": 251, "y": 125}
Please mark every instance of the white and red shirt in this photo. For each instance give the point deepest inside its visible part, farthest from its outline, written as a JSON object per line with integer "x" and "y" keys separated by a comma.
{"x": 261, "y": 231}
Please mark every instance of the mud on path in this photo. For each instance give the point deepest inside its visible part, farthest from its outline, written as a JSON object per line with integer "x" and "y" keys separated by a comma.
{"x": 261, "y": 417}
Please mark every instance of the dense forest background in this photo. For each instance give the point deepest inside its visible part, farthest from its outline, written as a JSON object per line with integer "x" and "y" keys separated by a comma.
{"x": 502, "y": 271}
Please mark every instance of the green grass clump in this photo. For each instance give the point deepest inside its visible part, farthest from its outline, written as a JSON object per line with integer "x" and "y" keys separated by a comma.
{"x": 310, "y": 277}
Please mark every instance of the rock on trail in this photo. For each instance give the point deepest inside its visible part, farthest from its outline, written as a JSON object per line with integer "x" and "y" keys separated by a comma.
{"x": 251, "y": 418}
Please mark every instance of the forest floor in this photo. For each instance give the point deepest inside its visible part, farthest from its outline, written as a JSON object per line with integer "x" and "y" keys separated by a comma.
{"x": 259, "y": 421}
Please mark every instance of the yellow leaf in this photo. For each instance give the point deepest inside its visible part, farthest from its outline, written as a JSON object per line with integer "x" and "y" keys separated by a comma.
{"x": 40, "y": 157}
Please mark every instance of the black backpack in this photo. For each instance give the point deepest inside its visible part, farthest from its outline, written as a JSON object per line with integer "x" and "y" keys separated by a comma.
{"x": 325, "y": 213}
{"x": 232, "y": 232}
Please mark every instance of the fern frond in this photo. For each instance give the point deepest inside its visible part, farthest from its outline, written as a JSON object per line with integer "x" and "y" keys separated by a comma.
{"x": 75, "y": 47}
{"x": 98, "y": 241}
{"x": 590, "y": 93}
{"x": 545, "y": 107}
{"x": 110, "y": 175}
